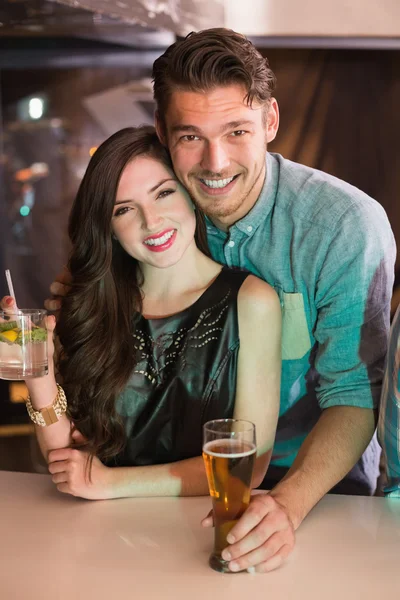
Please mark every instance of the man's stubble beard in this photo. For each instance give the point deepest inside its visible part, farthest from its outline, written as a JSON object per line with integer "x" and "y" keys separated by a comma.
{"x": 218, "y": 209}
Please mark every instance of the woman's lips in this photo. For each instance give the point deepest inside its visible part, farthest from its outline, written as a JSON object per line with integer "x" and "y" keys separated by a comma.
{"x": 165, "y": 245}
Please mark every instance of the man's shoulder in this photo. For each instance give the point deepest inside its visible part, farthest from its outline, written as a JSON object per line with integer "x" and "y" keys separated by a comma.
{"x": 321, "y": 198}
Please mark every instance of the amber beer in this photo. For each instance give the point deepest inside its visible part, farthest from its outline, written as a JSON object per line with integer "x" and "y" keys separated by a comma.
{"x": 229, "y": 466}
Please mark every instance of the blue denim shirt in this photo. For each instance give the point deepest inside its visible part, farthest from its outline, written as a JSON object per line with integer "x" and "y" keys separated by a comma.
{"x": 328, "y": 250}
{"x": 389, "y": 418}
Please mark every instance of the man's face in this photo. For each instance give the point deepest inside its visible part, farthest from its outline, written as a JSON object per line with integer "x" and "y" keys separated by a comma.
{"x": 217, "y": 144}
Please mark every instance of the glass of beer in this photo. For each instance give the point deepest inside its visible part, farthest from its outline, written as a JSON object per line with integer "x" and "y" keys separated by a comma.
{"x": 229, "y": 452}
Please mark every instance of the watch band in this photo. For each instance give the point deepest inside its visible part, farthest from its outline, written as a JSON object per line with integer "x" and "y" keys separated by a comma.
{"x": 49, "y": 414}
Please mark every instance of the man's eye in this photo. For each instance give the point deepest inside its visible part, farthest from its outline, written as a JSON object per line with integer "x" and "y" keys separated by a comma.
{"x": 189, "y": 138}
{"x": 165, "y": 193}
{"x": 238, "y": 133}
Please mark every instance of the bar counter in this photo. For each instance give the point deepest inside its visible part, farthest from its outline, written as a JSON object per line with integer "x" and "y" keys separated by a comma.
{"x": 57, "y": 547}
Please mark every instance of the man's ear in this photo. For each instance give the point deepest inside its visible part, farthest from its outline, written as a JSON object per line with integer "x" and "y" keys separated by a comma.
{"x": 160, "y": 128}
{"x": 272, "y": 120}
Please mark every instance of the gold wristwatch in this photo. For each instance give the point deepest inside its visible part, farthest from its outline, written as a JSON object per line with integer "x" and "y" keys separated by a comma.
{"x": 49, "y": 414}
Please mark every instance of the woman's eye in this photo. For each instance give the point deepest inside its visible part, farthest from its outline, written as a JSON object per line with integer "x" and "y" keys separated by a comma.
{"x": 121, "y": 211}
{"x": 165, "y": 193}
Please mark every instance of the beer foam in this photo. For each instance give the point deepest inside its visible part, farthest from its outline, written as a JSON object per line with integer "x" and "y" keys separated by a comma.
{"x": 228, "y": 442}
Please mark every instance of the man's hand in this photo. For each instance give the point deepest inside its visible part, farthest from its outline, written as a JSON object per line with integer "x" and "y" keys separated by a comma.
{"x": 261, "y": 539}
{"x": 59, "y": 288}
{"x": 68, "y": 467}
{"x": 264, "y": 535}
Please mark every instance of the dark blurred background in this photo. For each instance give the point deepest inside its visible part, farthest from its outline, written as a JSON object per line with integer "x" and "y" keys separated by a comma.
{"x": 69, "y": 77}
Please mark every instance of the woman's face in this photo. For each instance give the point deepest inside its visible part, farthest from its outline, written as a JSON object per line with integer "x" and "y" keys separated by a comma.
{"x": 153, "y": 216}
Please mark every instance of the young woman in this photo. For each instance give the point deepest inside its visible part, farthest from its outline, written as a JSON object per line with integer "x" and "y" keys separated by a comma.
{"x": 156, "y": 337}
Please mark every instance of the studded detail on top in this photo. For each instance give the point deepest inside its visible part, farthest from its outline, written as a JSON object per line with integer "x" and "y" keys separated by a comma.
{"x": 185, "y": 375}
{"x": 157, "y": 357}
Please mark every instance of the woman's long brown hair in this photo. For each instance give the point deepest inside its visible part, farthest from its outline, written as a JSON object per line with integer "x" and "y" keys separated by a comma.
{"x": 99, "y": 313}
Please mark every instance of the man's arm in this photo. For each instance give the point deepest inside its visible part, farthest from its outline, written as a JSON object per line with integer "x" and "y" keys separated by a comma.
{"x": 353, "y": 299}
{"x": 389, "y": 417}
{"x": 329, "y": 452}
{"x": 265, "y": 534}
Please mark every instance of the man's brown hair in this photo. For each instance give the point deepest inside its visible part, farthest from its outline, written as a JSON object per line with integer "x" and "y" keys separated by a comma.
{"x": 208, "y": 59}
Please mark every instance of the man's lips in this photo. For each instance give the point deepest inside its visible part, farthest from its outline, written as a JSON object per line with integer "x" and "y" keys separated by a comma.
{"x": 217, "y": 191}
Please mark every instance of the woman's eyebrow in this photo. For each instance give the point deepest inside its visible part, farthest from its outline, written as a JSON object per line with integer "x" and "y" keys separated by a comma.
{"x": 151, "y": 190}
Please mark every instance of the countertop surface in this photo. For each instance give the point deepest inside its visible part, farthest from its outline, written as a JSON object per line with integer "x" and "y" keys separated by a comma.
{"x": 54, "y": 546}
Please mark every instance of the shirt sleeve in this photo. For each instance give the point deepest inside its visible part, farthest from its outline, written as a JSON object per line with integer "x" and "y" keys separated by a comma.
{"x": 353, "y": 303}
{"x": 389, "y": 417}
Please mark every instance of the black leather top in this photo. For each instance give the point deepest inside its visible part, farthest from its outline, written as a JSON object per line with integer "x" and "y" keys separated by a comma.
{"x": 185, "y": 376}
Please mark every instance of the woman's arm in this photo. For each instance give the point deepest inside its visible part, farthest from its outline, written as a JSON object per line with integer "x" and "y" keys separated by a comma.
{"x": 57, "y": 435}
{"x": 257, "y": 400}
{"x": 43, "y": 392}
{"x": 259, "y": 367}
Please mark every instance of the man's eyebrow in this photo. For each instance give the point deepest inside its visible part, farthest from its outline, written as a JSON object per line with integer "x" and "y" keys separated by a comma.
{"x": 150, "y": 191}
{"x": 237, "y": 124}
{"x": 182, "y": 128}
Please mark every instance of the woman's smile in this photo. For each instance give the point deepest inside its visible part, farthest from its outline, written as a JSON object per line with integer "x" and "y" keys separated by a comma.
{"x": 161, "y": 241}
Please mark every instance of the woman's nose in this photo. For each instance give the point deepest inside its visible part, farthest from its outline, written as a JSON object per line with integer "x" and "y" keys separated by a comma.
{"x": 151, "y": 219}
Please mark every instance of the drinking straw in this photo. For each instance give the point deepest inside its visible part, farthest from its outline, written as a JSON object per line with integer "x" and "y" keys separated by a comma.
{"x": 10, "y": 286}
{"x": 12, "y": 294}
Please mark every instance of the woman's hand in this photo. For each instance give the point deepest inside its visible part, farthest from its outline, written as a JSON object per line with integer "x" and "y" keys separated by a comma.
{"x": 69, "y": 469}
{"x": 39, "y": 384}
{"x": 7, "y": 304}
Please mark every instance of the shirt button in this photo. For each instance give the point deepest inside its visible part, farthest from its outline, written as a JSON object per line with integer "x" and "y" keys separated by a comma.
{"x": 249, "y": 228}
{"x": 231, "y": 244}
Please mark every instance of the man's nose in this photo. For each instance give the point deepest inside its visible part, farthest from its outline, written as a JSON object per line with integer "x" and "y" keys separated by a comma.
{"x": 215, "y": 158}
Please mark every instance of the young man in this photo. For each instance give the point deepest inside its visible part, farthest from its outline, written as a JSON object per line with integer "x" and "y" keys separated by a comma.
{"x": 389, "y": 417}
{"x": 325, "y": 246}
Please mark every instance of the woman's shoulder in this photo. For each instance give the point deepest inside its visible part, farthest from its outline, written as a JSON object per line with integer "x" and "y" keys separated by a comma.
{"x": 257, "y": 299}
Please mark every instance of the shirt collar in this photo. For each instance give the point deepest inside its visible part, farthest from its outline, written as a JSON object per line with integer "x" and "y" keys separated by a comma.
{"x": 261, "y": 209}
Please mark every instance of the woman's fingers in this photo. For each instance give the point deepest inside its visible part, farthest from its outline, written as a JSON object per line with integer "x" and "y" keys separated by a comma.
{"x": 50, "y": 322}
{"x": 50, "y": 325}
{"x": 78, "y": 438}
{"x": 60, "y": 478}
{"x": 8, "y": 305}
{"x": 58, "y": 466}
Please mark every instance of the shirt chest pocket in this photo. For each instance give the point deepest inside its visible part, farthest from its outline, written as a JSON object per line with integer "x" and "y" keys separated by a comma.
{"x": 295, "y": 336}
